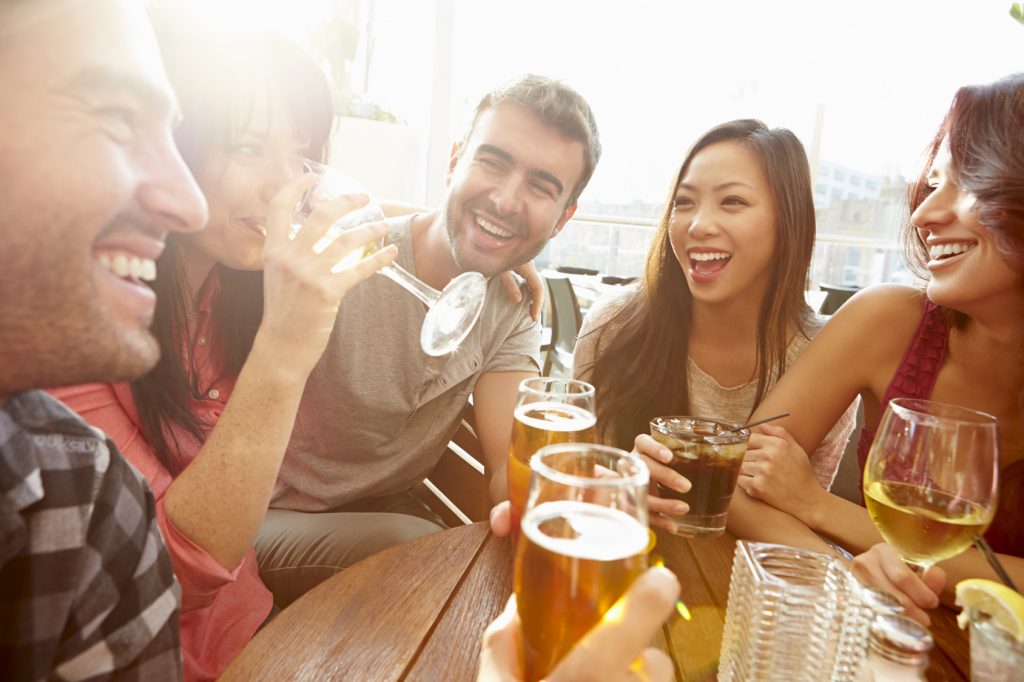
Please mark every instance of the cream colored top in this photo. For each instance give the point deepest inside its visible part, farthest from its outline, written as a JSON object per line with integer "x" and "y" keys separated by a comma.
{"x": 710, "y": 399}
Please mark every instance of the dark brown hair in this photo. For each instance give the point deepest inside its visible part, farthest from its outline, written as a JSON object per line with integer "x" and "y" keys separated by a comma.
{"x": 640, "y": 366}
{"x": 986, "y": 146}
{"x": 219, "y": 80}
{"x": 556, "y": 104}
{"x": 986, "y": 143}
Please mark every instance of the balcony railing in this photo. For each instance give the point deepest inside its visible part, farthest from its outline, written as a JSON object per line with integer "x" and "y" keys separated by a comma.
{"x": 618, "y": 245}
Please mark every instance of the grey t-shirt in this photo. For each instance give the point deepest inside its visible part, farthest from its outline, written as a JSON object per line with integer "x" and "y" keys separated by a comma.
{"x": 377, "y": 411}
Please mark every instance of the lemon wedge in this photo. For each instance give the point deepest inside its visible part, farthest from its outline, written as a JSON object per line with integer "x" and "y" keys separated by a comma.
{"x": 1004, "y": 606}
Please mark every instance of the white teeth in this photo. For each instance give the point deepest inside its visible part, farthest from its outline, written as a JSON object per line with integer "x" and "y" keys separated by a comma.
{"x": 951, "y": 249}
{"x": 488, "y": 226}
{"x": 119, "y": 266}
{"x": 125, "y": 265}
{"x": 717, "y": 255}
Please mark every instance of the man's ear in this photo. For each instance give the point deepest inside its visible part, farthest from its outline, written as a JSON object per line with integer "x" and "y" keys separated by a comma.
{"x": 566, "y": 215}
{"x": 453, "y": 160}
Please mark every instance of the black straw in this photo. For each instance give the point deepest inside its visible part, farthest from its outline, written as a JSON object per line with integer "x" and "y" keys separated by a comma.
{"x": 755, "y": 423}
{"x": 993, "y": 561}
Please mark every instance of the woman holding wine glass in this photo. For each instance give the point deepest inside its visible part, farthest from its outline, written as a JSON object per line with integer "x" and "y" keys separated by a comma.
{"x": 960, "y": 341}
{"x": 243, "y": 314}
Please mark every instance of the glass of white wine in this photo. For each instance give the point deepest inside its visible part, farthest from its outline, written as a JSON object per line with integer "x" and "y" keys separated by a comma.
{"x": 451, "y": 313}
{"x": 930, "y": 482}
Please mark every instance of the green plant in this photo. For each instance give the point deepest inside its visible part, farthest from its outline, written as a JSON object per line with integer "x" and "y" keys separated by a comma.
{"x": 1017, "y": 12}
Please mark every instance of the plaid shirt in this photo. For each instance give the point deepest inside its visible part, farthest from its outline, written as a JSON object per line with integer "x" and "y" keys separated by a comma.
{"x": 86, "y": 587}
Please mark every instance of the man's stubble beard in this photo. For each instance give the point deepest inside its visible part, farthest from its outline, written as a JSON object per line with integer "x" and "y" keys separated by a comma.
{"x": 517, "y": 259}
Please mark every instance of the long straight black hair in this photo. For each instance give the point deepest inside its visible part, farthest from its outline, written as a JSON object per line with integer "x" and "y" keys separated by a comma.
{"x": 640, "y": 358}
{"x": 219, "y": 79}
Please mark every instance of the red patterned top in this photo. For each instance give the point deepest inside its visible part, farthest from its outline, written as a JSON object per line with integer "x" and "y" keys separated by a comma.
{"x": 915, "y": 378}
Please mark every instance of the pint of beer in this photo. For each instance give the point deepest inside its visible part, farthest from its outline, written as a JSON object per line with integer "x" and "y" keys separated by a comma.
{"x": 548, "y": 411}
{"x": 584, "y": 540}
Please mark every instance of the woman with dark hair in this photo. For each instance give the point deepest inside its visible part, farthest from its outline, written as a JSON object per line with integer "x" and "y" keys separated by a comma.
{"x": 243, "y": 314}
{"x": 720, "y": 313}
{"x": 959, "y": 341}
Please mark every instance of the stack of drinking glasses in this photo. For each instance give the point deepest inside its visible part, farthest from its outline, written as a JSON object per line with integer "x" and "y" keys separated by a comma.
{"x": 792, "y": 615}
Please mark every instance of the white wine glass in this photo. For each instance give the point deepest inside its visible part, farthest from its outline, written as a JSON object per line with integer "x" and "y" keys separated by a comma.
{"x": 451, "y": 313}
{"x": 931, "y": 477}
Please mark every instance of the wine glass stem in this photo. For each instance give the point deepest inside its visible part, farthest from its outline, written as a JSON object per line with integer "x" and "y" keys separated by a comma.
{"x": 426, "y": 293}
{"x": 919, "y": 568}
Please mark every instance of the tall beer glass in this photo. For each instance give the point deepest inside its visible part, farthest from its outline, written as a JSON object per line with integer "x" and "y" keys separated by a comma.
{"x": 548, "y": 411}
{"x": 584, "y": 541}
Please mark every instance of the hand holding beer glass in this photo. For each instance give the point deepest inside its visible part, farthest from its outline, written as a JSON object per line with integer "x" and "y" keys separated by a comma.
{"x": 930, "y": 479}
{"x": 584, "y": 540}
{"x": 548, "y": 411}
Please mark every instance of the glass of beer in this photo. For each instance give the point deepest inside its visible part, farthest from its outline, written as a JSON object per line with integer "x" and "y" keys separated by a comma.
{"x": 548, "y": 411}
{"x": 708, "y": 453}
{"x": 930, "y": 481}
{"x": 584, "y": 540}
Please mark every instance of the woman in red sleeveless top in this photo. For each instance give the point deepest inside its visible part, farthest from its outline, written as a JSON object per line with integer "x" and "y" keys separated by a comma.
{"x": 960, "y": 341}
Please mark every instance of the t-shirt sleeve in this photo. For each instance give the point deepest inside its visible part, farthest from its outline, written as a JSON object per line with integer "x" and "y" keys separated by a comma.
{"x": 520, "y": 351}
{"x": 600, "y": 313}
{"x": 198, "y": 572}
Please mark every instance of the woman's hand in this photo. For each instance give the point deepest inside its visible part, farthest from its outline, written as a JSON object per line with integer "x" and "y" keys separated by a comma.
{"x": 301, "y": 293}
{"x": 882, "y": 567}
{"x": 777, "y": 471}
{"x": 658, "y": 457}
{"x": 527, "y": 271}
{"x": 608, "y": 652}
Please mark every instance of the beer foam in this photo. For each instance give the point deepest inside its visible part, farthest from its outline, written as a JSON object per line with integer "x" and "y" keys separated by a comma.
{"x": 604, "y": 534}
{"x": 570, "y": 417}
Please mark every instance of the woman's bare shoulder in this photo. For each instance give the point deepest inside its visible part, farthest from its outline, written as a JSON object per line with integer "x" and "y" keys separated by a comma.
{"x": 887, "y": 309}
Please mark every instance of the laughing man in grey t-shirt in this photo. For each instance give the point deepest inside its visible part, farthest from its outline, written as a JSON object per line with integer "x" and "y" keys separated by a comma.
{"x": 377, "y": 412}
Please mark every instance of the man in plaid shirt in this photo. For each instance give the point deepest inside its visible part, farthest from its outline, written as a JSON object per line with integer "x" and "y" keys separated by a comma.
{"x": 90, "y": 183}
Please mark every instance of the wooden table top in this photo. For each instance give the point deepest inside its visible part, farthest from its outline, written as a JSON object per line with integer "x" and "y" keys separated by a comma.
{"x": 417, "y": 612}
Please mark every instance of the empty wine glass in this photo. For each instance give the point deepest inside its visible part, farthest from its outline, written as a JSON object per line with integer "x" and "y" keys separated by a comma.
{"x": 451, "y": 313}
{"x": 930, "y": 482}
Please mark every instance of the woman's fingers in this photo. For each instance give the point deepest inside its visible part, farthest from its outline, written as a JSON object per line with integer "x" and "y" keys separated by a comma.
{"x": 279, "y": 211}
{"x": 334, "y": 252}
{"x": 646, "y": 445}
{"x": 511, "y": 286}
{"x": 316, "y": 226}
{"x": 881, "y": 567}
{"x": 365, "y": 267}
{"x": 665, "y": 505}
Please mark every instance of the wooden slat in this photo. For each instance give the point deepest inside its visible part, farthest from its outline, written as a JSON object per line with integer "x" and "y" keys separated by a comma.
{"x": 349, "y": 628}
{"x": 461, "y": 482}
{"x": 453, "y": 650}
{"x": 695, "y": 643}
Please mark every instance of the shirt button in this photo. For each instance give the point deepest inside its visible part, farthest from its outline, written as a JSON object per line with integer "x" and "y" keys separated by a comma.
{"x": 213, "y": 394}
{"x": 202, "y": 340}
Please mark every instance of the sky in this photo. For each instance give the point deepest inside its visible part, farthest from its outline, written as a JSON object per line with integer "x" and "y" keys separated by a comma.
{"x": 659, "y": 73}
